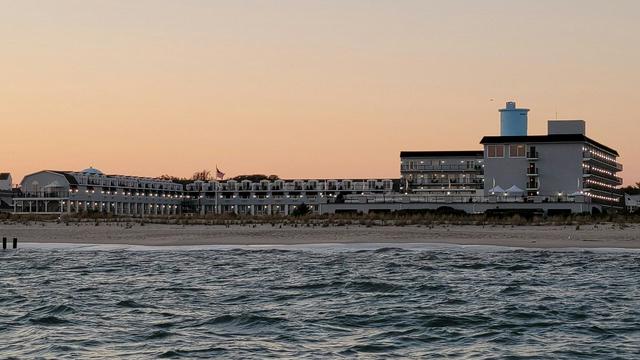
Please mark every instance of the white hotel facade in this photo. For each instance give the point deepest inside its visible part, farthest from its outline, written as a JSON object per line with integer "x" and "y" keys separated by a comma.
{"x": 281, "y": 197}
{"x": 563, "y": 171}
{"x": 89, "y": 190}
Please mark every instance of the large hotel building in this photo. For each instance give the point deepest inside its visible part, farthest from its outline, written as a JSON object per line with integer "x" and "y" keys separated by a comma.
{"x": 563, "y": 171}
{"x": 90, "y": 190}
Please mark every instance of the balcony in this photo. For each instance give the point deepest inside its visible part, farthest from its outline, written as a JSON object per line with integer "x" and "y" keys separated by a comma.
{"x": 616, "y": 180}
{"x": 456, "y": 167}
{"x": 533, "y": 186}
{"x": 532, "y": 155}
{"x": 615, "y": 165}
{"x": 532, "y": 172}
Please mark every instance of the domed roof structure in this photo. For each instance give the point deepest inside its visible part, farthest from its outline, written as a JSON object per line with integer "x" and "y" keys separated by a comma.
{"x": 92, "y": 171}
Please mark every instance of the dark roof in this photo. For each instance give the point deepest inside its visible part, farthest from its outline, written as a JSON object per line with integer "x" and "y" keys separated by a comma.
{"x": 72, "y": 180}
{"x": 4, "y": 176}
{"x": 441, "y": 154}
{"x": 555, "y": 138}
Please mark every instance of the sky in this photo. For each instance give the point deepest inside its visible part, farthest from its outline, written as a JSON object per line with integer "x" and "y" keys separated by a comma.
{"x": 309, "y": 89}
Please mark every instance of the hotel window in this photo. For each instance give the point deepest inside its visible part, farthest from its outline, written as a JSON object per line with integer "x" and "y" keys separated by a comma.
{"x": 495, "y": 151}
{"x": 516, "y": 150}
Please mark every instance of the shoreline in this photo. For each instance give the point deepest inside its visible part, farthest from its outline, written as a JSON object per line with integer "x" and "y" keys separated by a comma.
{"x": 156, "y": 235}
{"x": 345, "y": 247}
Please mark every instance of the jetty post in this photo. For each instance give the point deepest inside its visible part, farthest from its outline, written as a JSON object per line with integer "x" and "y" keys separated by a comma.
{"x": 4, "y": 243}
{"x": 15, "y": 242}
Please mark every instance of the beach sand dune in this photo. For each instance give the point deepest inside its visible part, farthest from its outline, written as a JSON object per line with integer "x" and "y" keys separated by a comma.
{"x": 587, "y": 236}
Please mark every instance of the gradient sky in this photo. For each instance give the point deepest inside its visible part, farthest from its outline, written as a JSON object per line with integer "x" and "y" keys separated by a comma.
{"x": 314, "y": 89}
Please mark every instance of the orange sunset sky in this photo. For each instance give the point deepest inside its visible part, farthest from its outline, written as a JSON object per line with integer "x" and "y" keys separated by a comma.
{"x": 313, "y": 89}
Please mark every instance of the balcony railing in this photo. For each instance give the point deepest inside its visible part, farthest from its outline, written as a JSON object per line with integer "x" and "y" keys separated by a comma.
{"x": 461, "y": 167}
{"x": 532, "y": 172}
{"x": 533, "y": 186}
{"x": 445, "y": 182}
{"x": 615, "y": 179}
{"x": 55, "y": 194}
{"x": 588, "y": 157}
{"x": 533, "y": 155}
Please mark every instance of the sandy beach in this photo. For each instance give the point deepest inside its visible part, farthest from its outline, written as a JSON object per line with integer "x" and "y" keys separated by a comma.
{"x": 587, "y": 236}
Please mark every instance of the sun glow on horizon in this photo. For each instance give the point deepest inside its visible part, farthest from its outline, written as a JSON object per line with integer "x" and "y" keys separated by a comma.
{"x": 314, "y": 89}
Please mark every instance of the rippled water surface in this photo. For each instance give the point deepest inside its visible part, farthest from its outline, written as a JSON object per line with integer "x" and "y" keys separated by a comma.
{"x": 443, "y": 302}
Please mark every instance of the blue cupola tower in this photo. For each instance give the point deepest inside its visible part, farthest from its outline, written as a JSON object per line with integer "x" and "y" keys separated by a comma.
{"x": 513, "y": 120}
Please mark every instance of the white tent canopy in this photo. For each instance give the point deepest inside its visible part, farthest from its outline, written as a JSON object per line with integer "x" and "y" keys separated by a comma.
{"x": 496, "y": 190}
{"x": 514, "y": 190}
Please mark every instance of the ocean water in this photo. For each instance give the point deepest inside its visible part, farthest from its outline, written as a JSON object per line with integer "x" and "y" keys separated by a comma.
{"x": 323, "y": 302}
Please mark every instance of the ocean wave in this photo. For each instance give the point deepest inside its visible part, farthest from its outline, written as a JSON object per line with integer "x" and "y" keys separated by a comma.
{"x": 371, "y": 302}
{"x": 48, "y": 320}
{"x": 129, "y": 303}
{"x": 244, "y": 319}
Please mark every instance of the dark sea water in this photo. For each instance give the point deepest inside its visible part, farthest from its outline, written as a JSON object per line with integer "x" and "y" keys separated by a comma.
{"x": 449, "y": 302}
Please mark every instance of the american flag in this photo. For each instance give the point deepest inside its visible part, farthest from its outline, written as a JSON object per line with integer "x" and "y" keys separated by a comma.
{"x": 219, "y": 174}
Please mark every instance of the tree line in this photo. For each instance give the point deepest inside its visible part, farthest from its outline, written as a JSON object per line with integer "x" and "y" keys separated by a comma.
{"x": 207, "y": 175}
{"x": 632, "y": 189}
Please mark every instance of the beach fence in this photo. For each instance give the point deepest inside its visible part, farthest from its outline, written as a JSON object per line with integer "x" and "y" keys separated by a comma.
{"x": 4, "y": 243}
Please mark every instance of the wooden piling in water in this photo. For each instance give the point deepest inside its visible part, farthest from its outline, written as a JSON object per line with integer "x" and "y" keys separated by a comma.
{"x": 4, "y": 243}
{"x": 15, "y": 243}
